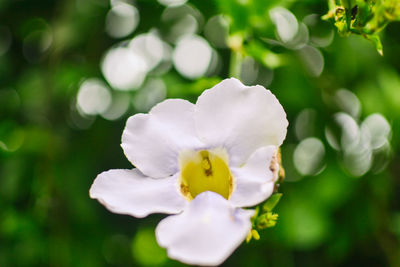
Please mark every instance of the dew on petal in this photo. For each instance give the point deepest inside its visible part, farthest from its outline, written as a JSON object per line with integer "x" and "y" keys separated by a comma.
{"x": 308, "y": 156}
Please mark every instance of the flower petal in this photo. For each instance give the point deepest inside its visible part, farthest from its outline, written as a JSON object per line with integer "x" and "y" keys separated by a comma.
{"x": 241, "y": 118}
{"x": 206, "y": 232}
{"x": 254, "y": 182}
{"x": 130, "y": 192}
{"x": 152, "y": 141}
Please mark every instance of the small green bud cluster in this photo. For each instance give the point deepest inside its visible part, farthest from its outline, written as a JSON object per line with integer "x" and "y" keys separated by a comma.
{"x": 264, "y": 217}
{"x": 266, "y": 220}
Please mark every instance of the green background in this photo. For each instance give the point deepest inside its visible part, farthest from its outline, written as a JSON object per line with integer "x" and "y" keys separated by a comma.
{"x": 333, "y": 213}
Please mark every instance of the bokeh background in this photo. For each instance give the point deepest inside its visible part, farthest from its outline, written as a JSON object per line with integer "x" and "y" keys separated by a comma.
{"x": 73, "y": 71}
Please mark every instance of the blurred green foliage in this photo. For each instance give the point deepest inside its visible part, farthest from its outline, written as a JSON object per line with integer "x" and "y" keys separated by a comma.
{"x": 341, "y": 201}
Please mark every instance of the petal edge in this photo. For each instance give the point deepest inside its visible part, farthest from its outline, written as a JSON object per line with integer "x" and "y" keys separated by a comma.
{"x": 242, "y": 118}
{"x": 206, "y": 232}
{"x": 130, "y": 192}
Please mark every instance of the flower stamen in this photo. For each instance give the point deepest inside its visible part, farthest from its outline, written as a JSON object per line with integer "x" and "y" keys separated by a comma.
{"x": 206, "y": 164}
{"x": 205, "y": 170}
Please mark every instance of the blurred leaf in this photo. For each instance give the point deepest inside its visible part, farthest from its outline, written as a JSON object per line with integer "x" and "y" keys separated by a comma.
{"x": 302, "y": 224}
{"x": 146, "y": 250}
{"x": 11, "y": 136}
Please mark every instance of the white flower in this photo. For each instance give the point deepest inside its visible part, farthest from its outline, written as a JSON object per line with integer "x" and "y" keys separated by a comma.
{"x": 202, "y": 162}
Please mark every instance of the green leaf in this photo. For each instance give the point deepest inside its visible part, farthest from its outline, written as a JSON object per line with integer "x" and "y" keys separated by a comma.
{"x": 270, "y": 204}
{"x": 376, "y": 40}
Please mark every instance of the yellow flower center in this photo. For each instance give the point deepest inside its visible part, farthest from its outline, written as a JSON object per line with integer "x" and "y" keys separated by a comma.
{"x": 205, "y": 170}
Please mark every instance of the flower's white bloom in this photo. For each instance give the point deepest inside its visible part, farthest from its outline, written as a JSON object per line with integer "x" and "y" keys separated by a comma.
{"x": 202, "y": 162}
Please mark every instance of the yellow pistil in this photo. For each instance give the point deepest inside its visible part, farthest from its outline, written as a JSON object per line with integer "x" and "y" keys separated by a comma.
{"x": 205, "y": 170}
